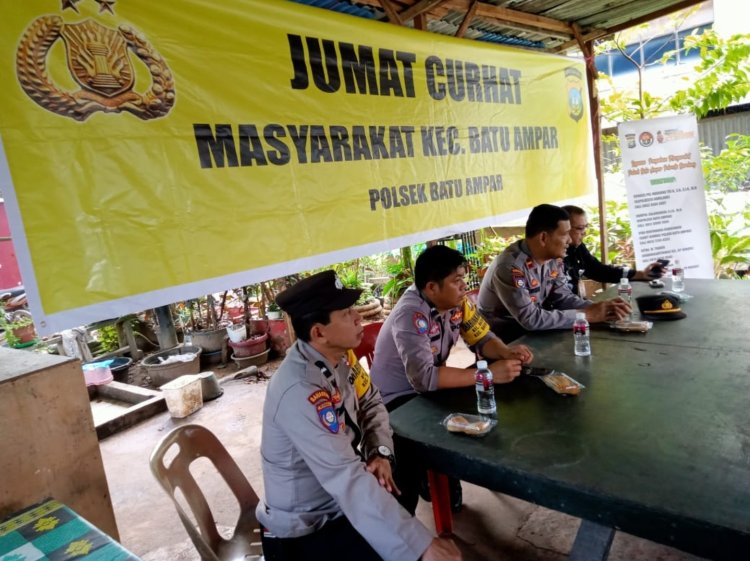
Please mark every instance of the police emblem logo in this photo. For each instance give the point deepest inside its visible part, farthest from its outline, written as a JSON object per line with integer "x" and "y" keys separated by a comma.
{"x": 434, "y": 329}
{"x": 327, "y": 416}
{"x": 457, "y": 316}
{"x": 519, "y": 282}
{"x": 99, "y": 61}
{"x": 420, "y": 323}
{"x": 574, "y": 84}
{"x": 646, "y": 139}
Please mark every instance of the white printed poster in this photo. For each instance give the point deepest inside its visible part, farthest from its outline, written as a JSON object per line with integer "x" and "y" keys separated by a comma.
{"x": 667, "y": 201}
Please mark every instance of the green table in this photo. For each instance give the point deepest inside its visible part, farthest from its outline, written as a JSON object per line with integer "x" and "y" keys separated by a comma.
{"x": 657, "y": 445}
{"x": 51, "y": 531}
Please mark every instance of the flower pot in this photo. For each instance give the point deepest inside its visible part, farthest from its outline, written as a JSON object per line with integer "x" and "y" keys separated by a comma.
{"x": 280, "y": 338}
{"x": 209, "y": 340}
{"x": 273, "y": 314}
{"x": 254, "y": 360}
{"x": 24, "y": 335}
{"x": 253, "y": 345}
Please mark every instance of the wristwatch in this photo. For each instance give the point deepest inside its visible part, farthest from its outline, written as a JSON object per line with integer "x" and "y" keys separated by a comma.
{"x": 385, "y": 452}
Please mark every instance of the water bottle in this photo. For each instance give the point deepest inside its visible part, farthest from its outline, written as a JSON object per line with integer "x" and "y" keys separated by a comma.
{"x": 678, "y": 277}
{"x": 625, "y": 291}
{"x": 581, "y": 335}
{"x": 187, "y": 339}
{"x": 485, "y": 389}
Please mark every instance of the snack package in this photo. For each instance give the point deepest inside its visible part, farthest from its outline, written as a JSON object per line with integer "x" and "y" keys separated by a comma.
{"x": 473, "y": 425}
{"x": 632, "y": 326}
{"x": 562, "y": 383}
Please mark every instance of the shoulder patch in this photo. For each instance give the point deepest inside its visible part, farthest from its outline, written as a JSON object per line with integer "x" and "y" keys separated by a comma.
{"x": 319, "y": 395}
{"x": 420, "y": 322}
{"x": 327, "y": 416}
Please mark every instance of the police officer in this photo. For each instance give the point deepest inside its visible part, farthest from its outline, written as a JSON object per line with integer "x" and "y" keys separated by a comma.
{"x": 326, "y": 444}
{"x": 416, "y": 339}
{"x": 525, "y": 288}
{"x": 579, "y": 261}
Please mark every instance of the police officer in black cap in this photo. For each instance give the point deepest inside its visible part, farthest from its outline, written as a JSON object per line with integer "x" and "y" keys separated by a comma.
{"x": 326, "y": 444}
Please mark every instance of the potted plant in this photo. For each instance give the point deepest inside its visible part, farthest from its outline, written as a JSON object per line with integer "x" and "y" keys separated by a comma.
{"x": 273, "y": 311}
{"x": 18, "y": 327}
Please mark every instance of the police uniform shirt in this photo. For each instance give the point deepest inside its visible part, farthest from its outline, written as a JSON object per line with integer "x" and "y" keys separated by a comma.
{"x": 415, "y": 341}
{"x": 580, "y": 259}
{"x": 311, "y": 471}
{"x": 536, "y": 296}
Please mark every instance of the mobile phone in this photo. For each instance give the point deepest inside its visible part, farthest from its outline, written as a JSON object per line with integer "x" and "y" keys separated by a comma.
{"x": 656, "y": 283}
{"x": 658, "y": 269}
{"x": 536, "y": 371}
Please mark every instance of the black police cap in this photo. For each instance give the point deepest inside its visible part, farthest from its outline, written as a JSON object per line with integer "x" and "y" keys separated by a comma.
{"x": 319, "y": 292}
{"x": 660, "y": 307}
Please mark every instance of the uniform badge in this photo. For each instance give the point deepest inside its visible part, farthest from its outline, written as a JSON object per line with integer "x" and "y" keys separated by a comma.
{"x": 553, "y": 274}
{"x": 319, "y": 395}
{"x": 420, "y": 323}
{"x": 99, "y": 62}
{"x": 529, "y": 263}
{"x": 519, "y": 282}
{"x": 434, "y": 349}
{"x": 434, "y": 329}
{"x": 534, "y": 283}
{"x": 533, "y": 298}
{"x": 327, "y": 416}
{"x": 457, "y": 316}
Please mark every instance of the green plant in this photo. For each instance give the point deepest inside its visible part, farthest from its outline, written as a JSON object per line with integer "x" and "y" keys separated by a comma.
{"x": 10, "y": 322}
{"x": 108, "y": 338}
{"x": 273, "y": 307}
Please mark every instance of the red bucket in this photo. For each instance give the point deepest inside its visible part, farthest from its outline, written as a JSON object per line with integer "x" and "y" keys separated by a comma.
{"x": 253, "y": 345}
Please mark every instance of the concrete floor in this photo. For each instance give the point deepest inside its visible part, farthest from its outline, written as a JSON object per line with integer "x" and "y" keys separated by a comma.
{"x": 491, "y": 526}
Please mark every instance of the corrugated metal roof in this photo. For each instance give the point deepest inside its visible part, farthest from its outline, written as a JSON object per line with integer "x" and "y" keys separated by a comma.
{"x": 551, "y": 25}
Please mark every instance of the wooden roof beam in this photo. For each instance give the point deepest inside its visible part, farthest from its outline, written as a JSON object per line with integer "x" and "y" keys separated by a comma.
{"x": 391, "y": 12}
{"x": 467, "y": 19}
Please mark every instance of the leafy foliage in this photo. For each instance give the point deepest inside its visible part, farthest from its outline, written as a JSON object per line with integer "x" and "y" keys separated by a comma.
{"x": 723, "y": 73}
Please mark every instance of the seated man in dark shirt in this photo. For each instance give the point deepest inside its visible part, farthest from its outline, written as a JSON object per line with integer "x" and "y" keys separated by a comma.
{"x": 579, "y": 262}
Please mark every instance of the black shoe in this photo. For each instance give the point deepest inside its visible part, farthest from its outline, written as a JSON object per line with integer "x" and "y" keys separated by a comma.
{"x": 456, "y": 494}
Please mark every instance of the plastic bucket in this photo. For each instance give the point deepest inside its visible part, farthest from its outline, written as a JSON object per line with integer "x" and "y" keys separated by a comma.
{"x": 237, "y": 332}
{"x": 183, "y": 395}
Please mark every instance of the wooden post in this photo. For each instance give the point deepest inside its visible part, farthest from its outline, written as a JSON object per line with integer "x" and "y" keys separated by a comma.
{"x": 587, "y": 48}
{"x": 167, "y": 334}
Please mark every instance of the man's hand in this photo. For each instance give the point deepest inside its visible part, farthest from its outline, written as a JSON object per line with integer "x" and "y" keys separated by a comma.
{"x": 610, "y": 310}
{"x": 653, "y": 271}
{"x": 381, "y": 468}
{"x": 442, "y": 549}
{"x": 504, "y": 371}
{"x": 519, "y": 352}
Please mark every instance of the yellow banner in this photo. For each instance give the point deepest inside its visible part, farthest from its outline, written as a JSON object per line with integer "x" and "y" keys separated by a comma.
{"x": 161, "y": 150}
